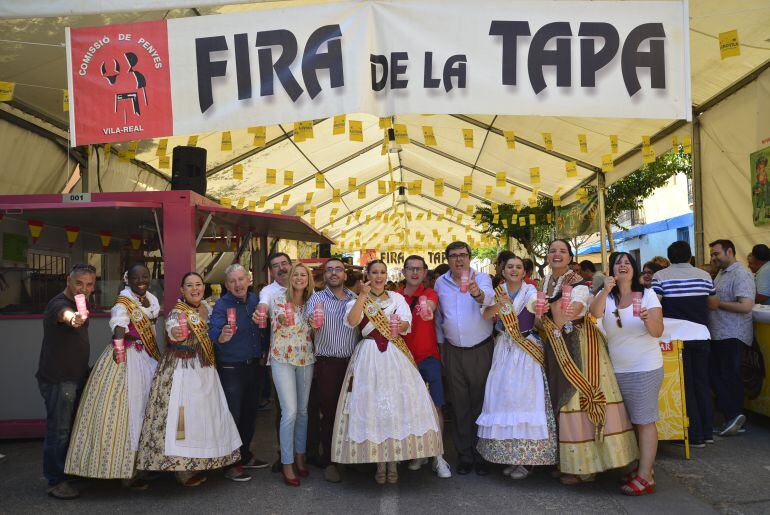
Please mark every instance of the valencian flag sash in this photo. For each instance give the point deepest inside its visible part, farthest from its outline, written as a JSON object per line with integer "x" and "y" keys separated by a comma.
{"x": 373, "y": 313}
{"x": 511, "y": 323}
{"x": 143, "y": 326}
{"x": 199, "y": 327}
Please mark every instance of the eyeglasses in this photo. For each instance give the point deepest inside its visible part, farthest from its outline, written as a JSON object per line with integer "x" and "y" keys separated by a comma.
{"x": 335, "y": 269}
{"x": 647, "y": 272}
{"x": 81, "y": 266}
{"x": 617, "y": 318}
{"x": 413, "y": 269}
{"x": 461, "y": 255}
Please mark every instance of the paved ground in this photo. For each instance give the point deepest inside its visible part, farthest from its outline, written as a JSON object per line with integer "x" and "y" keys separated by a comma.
{"x": 728, "y": 477}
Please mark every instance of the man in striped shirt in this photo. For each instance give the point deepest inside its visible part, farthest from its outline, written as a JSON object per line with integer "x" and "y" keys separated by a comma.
{"x": 687, "y": 293}
{"x": 334, "y": 343}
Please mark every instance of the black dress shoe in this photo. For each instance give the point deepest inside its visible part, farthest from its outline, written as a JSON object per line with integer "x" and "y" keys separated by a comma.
{"x": 464, "y": 468}
{"x": 482, "y": 469}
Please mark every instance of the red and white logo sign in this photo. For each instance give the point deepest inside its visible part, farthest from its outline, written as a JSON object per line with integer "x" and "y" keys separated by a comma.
{"x": 121, "y": 86}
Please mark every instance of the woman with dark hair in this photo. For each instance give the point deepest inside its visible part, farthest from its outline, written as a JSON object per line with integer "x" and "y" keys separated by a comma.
{"x": 516, "y": 425}
{"x": 385, "y": 413}
{"x": 632, "y": 339}
{"x": 648, "y": 270}
{"x": 105, "y": 436}
{"x": 188, "y": 427}
{"x": 594, "y": 431}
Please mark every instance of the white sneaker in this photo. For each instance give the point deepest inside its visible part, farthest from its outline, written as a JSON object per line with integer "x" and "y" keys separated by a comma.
{"x": 416, "y": 464}
{"x": 441, "y": 467}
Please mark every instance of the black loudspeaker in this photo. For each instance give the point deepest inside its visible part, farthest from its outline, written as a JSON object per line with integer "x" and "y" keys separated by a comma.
{"x": 188, "y": 169}
{"x": 324, "y": 250}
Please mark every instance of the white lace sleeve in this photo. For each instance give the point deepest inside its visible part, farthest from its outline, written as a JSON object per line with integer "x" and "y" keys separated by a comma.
{"x": 581, "y": 294}
{"x": 402, "y": 310}
{"x": 171, "y": 321}
{"x": 119, "y": 317}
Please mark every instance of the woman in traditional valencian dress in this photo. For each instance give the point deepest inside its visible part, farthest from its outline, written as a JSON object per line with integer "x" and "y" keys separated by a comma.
{"x": 595, "y": 433}
{"x": 188, "y": 427}
{"x": 105, "y": 436}
{"x": 385, "y": 413}
{"x": 516, "y": 425}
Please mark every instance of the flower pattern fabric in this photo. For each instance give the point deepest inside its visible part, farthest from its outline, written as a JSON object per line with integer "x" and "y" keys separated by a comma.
{"x": 291, "y": 344}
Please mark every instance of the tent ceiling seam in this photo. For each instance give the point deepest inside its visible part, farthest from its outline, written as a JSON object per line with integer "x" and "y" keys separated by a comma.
{"x": 366, "y": 183}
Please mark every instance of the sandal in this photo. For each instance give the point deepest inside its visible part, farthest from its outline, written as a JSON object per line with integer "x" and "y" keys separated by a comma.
{"x": 576, "y": 479}
{"x": 195, "y": 480}
{"x": 631, "y": 488}
{"x": 631, "y": 475}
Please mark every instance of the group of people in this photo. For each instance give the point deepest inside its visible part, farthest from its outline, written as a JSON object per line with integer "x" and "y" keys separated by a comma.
{"x": 560, "y": 373}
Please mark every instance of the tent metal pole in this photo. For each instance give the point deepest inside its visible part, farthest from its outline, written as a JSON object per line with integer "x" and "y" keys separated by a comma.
{"x": 600, "y": 190}
{"x": 697, "y": 191}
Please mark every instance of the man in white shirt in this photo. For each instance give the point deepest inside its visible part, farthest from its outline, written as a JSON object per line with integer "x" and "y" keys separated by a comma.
{"x": 280, "y": 265}
{"x": 468, "y": 349}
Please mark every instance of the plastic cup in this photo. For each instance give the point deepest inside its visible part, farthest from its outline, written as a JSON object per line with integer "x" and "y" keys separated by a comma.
{"x": 636, "y": 302}
{"x": 465, "y": 281}
{"x": 395, "y": 322}
{"x": 80, "y": 303}
{"x": 288, "y": 311}
{"x": 262, "y": 316}
{"x": 232, "y": 319}
{"x": 181, "y": 318}
{"x": 318, "y": 315}
{"x": 423, "y": 303}
{"x": 120, "y": 350}
{"x": 540, "y": 304}
{"x": 566, "y": 297}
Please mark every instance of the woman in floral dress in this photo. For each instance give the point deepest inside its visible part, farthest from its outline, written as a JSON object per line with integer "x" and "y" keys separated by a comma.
{"x": 291, "y": 358}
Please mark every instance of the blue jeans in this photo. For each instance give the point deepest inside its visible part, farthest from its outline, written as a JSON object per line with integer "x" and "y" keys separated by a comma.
{"x": 292, "y": 383}
{"x": 61, "y": 401}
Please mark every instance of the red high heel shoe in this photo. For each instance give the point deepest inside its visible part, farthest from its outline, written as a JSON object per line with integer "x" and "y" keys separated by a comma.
{"x": 290, "y": 481}
{"x": 301, "y": 472}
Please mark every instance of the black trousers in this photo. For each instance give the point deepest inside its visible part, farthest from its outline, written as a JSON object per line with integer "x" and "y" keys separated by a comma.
{"x": 242, "y": 383}
{"x": 726, "y": 381}
{"x": 695, "y": 361}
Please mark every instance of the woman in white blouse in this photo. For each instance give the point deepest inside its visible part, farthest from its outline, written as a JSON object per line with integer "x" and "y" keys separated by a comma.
{"x": 635, "y": 353}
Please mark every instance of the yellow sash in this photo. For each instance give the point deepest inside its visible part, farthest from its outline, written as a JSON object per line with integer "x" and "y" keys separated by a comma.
{"x": 143, "y": 326}
{"x": 511, "y": 323}
{"x": 374, "y": 313}
{"x": 592, "y": 398}
{"x": 199, "y": 328}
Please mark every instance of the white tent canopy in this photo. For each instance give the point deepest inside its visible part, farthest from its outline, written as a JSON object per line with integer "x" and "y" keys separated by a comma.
{"x": 39, "y": 71}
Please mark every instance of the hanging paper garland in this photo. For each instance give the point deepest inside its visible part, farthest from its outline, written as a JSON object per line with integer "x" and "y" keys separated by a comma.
{"x": 72, "y": 234}
{"x": 106, "y": 237}
{"x": 136, "y": 241}
{"x": 35, "y": 229}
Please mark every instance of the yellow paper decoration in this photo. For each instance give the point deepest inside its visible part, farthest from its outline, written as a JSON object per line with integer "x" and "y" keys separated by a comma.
{"x": 608, "y": 164}
{"x": 253, "y": 205}
{"x": 687, "y": 145}
{"x": 645, "y": 141}
{"x": 729, "y": 46}
{"x": 308, "y": 197}
{"x": 428, "y": 136}
{"x": 500, "y": 179}
{"x": 534, "y": 175}
{"x": 488, "y": 190}
{"x": 339, "y": 125}
{"x": 382, "y": 187}
{"x": 351, "y": 183}
{"x": 320, "y": 182}
{"x": 336, "y": 195}
{"x": 227, "y": 141}
{"x": 241, "y": 201}
{"x": 276, "y": 209}
{"x": 523, "y": 221}
{"x": 468, "y": 138}
{"x": 510, "y": 139}
{"x": 614, "y": 143}
{"x": 583, "y": 143}
{"x": 648, "y": 154}
{"x": 402, "y": 136}
{"x": 556, "y": 200}
{"x": 288, "y": 178}
{"x": 547, "y": 141}
{"x": 262, "y": 201}
{"x": 192, "y": 141}
{"x": 385, "y": 122}
{"x": 65, "y": 100}
{"x": 164, "y": 162}
{"x": 362, "y": 191}
{"x": 675, "y": 142}
{"x": 162, "y": 147}
{"x": 571, "y": 167}
{"x": 271, "y": 175}
{"x": 306, "y": 129}
{"x": 532, "y": 219}
{"x": 238, "y": 172}
{"x": 285, "y": 200}
{"x": 6, "y": 91}
{"x": 260, "y": 134}
{"x": 355, "y": 130}
{"x": 468, "y": 181}
{"x": 225, "y": 201}
{"x": 512, "y": 191}
{"x": 438, "y": 187}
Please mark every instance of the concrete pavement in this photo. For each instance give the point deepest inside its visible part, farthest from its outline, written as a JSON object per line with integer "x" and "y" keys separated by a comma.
{"x": 731, "y": 476}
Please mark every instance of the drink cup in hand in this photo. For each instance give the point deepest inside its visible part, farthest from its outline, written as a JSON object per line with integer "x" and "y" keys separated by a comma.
{"x": 465, "y": 281}
{"x": 424, "y": 309}
{"x": 288, "y": 311}
{"x": 566, "y": 297}
{"x": 120, "y": 350}
{"x": 395, "y": 323}
{"x": 636, "y": 302}
{"x": 540, "y": 304}
{"x": 318, "y": 315}
{"x": 262, "y": 316}
{"x": 80, "y": 303}
{"x": 232, "y": 319}
{"x": 181, "y": 319}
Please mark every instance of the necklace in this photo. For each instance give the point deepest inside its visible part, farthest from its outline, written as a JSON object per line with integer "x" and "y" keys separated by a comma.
{"x": 378, "y": 295}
